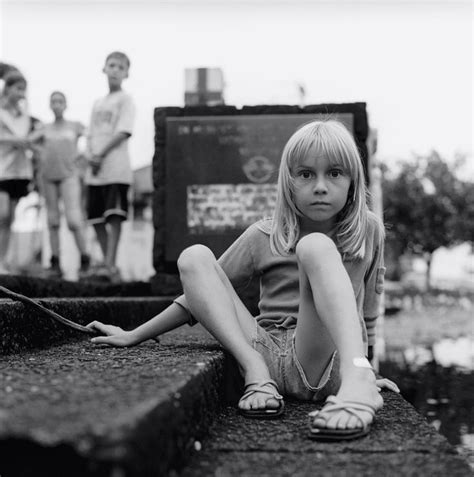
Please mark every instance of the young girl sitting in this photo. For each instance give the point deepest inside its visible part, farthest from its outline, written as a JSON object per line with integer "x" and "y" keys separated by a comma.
{"x": 320, "y": 264}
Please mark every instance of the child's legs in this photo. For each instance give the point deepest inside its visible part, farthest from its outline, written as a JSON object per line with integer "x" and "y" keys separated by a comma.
{"x": 71, "y": 195}
{"x": 7, "y": 208}
{"x": 331, "y": 322}
{"x": 328, "y": 317}
{"x": 215, "y": 304}
{"x": 51, "y": 197}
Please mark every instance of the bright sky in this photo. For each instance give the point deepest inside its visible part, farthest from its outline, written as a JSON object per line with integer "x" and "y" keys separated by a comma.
{"x": 411, "y": 62}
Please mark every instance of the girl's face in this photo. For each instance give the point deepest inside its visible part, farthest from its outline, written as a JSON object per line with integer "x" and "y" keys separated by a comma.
{"x": 16, "y": 92}
{"x": 320, "y": 192}
{"x": 58, "y": 105}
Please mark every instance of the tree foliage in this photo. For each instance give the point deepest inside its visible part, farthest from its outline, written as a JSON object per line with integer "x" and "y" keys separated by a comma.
{"x": 427, "y": 206}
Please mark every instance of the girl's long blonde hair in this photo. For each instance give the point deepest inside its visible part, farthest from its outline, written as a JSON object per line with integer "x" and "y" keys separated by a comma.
{"x": 334, "y": 141}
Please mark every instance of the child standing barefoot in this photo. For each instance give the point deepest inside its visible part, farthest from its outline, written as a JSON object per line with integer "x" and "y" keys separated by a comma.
{"x": 320, "y": 263}
{"x": 60, "y": 181}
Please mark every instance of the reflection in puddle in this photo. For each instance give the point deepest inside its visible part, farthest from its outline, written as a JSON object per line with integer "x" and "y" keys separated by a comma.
{"x": 446, "y": 352}
{"x": 439, "y": 382}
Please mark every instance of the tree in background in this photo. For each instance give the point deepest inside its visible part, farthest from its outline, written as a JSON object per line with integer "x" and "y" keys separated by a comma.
{"x": 427, "y": 206}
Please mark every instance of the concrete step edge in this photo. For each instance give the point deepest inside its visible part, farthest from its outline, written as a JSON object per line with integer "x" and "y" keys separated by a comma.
{"x": 152, "y": 437}
{"x": 22, "y": 328}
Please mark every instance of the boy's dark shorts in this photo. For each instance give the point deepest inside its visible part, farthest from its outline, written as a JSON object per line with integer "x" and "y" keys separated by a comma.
{"x": 15, "y": 188}
{"x": 107, "y": 200}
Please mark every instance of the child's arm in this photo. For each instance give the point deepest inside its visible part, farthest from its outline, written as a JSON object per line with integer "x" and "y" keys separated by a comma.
{"x": 36, "y": 136}
{"x": 172, "y": 317}
{"x": 11, "y": 140}
{"x": 96, "y": 159}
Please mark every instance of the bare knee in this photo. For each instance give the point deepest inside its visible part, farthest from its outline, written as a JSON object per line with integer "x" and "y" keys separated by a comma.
{"x": 74, "y": 224}
{"x": 316, "y": 245}
{"x": 194, "y": 258}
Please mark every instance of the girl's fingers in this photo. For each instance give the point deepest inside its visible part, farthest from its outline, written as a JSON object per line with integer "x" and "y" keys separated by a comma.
{"x": 94, "y": 325}
{"x": 104, "y": 329}
{"x": 387, "y": 384}
{"x": 101, "y": 340}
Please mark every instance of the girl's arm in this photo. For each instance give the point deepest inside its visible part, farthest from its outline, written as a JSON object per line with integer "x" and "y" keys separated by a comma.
{"x": 15, "y": 141}
{"x": 36, "y": 136}
{"x": 170, "y": 318}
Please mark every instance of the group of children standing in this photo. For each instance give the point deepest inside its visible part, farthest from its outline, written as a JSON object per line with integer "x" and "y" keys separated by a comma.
{"x": 60, "y": 176}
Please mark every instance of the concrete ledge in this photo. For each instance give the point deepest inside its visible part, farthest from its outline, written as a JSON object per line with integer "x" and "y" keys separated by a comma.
{"x": 23, "y": 329}
{"x": 40, "y": 287}
{"x": 75, "y": 409}
{"x": 78, "y": 409}
{"x": 401, "y": 443}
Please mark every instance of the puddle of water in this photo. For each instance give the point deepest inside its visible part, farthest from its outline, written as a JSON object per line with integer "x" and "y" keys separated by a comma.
{"x": 439, "y": 382}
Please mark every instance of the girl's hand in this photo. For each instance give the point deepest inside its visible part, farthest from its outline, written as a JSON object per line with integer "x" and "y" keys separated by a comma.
{"x": 114, "y": 335}
{"x": 385, "y": 383}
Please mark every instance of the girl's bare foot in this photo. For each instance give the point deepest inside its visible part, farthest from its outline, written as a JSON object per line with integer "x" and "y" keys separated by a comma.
{"x": 358, "y": 386}
{"x": 256, "y": 371}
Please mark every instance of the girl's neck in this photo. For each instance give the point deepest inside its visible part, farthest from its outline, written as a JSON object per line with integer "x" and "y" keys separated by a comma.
{"x": 309, "y": 227}
{"x": 59, "y": 119}
{"x": 114, "y": 89}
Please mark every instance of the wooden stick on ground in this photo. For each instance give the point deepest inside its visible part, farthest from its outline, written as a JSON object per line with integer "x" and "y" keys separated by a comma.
{"x": 45, "y": 311}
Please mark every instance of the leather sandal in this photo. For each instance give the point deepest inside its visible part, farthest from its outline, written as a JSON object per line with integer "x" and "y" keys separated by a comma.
{"x": 263, "y": 413}
{"x": 333, "y": 405}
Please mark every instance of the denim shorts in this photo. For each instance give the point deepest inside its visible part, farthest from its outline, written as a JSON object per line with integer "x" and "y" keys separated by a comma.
{"x": 277, "y": 346}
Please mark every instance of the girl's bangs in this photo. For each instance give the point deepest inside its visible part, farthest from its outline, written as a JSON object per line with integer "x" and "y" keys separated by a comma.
{"x": 336, "y": 151}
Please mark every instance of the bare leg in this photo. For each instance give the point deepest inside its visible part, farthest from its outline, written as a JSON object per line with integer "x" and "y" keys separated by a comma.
{"x": 214, "y": 303}
{"x": 101, "y": 234}
{"x": 79, "y": 238}
{"x": 53, "y": 230}
{"x": 51, "y": 194}
{"x": 71, "y": 195}
{"x": 114, "y": 224}
{"x": 328, "y": 320}
{"x": 7, "y": 208}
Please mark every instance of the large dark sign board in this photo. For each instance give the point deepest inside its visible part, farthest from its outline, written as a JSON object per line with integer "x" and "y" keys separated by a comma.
{"x": 215, "y": 169}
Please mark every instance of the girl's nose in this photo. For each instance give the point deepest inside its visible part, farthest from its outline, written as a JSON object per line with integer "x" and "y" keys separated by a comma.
{"x": 320, "y": 186}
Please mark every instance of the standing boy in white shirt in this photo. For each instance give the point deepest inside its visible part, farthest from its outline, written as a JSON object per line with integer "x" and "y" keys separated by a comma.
{"x": 109, "y": 175}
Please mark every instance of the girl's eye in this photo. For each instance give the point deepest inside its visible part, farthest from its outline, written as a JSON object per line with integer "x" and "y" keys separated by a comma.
{"x": 305, "y": 174}
{"x": 335, "y": 173}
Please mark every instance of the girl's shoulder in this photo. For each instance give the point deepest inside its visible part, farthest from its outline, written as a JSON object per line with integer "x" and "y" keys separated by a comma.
{"x": 375, "y": 227}
{"x": 264, "y": 225}
{"x": 257, "y": 234}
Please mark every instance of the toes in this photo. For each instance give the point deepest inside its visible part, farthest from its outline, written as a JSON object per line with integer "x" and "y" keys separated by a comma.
{"x": 343, "y": 420}
{"x": 327, "y": 421}
{"x": 259, "y": 401}
{"x": 352, "y": 422}
{"x": 272, "y": 403}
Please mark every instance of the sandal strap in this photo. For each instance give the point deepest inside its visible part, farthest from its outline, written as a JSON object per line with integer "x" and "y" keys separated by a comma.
{"x": 355, "y": 408}
{"x": 259, "y": 387}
